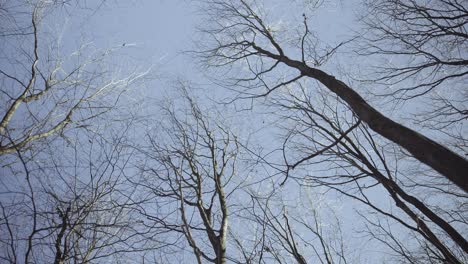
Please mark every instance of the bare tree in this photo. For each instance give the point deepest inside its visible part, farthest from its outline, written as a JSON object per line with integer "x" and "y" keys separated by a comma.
{"x": 288, "y": 228}
{"x": 357, "y": 164}
{"x": 62, "y": 201}
{"x": 239, "y": 34}
{"x": 43, "y": 92}
{"x": 70, "y": 213}
{"x": 417, "y": 51}
{"x": 189, "y": 169}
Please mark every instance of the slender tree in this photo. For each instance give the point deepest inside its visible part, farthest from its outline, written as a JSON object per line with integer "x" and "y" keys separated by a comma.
{"x": 188, "y": 170}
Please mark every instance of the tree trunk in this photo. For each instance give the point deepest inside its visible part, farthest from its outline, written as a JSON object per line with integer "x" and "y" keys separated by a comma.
{"x": 429, "y": 152}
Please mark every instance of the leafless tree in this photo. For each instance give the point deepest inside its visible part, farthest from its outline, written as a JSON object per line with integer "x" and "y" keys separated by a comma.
{"x": 357, "y": 164}
{"x": 44, "y": 92}
{"x": 241, "y": 35}
{"x": 62, "y": 201}
{"x": 418, "y": 51}
{"x": 188, "y": 172}
{"x": 70, "y": 213}
{"x": 287, "y": 229}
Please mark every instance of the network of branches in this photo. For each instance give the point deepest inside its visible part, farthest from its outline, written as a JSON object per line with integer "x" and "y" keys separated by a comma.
{"x": 300, "y": 150}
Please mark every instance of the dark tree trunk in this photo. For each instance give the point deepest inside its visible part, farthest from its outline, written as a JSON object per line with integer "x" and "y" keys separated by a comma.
{"x": 429, "y": 152}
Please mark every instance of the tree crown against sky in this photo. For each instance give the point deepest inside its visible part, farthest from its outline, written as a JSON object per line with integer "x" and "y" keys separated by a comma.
{"x": 233, "y": 131}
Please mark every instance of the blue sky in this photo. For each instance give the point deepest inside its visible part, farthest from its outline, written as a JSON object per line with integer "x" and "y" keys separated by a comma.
{"x": 157, "y": 32}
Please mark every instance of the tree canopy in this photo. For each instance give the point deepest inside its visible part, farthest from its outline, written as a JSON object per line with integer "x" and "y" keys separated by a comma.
{"x": 233, "y": 131}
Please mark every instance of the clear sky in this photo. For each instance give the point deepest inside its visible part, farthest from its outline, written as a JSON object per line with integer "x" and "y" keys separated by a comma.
{"x": 157, "y": 32}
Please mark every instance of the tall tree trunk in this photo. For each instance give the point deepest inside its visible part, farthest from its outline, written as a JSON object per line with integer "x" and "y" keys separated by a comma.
{"x": 429, "y": 152}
